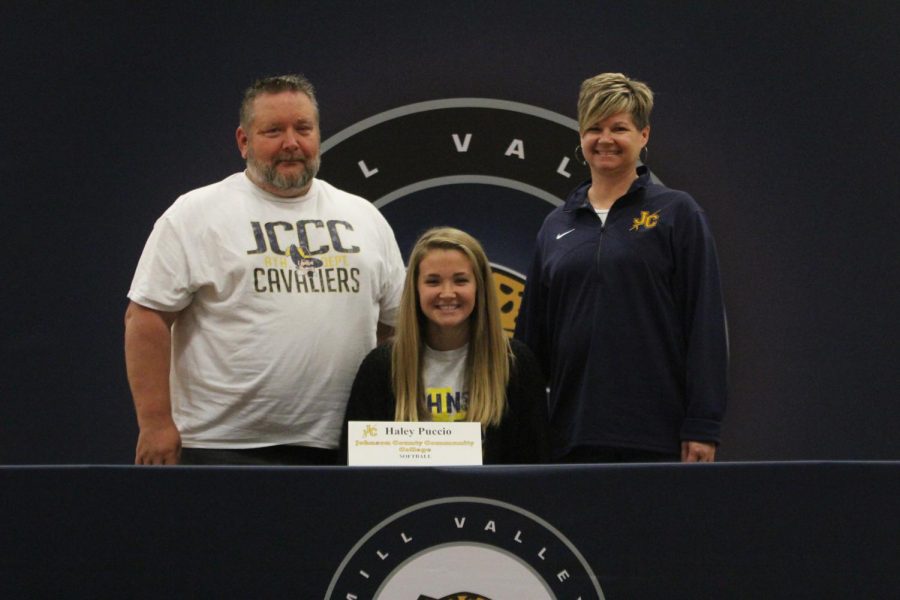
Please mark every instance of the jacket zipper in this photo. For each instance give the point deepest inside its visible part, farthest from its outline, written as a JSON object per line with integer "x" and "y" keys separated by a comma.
{"x": 600, "y": 242}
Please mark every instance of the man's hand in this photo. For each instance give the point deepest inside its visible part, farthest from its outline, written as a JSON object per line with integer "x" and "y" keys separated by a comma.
{"x": 158, "y": 445}
{"x": 698, "y": 451}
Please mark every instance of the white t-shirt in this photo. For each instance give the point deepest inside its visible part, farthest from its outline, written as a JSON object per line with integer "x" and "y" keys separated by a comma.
{"x": 444, "y": 378}
{"x": 279, "y": 301}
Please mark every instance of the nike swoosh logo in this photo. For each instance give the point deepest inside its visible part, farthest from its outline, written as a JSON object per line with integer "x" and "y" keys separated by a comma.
{"x": 564, "y": 233}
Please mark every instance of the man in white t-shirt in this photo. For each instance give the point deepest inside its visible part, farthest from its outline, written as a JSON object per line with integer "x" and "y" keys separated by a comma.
{"x": 255, "y": 300}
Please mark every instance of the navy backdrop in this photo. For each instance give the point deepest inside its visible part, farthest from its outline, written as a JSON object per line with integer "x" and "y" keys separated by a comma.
{"x": 779, "y": 117}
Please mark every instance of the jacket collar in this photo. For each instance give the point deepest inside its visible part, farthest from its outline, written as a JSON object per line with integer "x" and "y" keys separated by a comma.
{"x": 578, "y": 197}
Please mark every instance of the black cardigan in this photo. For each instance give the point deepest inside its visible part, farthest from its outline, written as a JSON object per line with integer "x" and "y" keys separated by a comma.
{"x": 521, "y": 437}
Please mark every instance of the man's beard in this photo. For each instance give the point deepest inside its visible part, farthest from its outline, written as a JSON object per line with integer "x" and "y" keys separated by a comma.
{"x": 269, "y": 174}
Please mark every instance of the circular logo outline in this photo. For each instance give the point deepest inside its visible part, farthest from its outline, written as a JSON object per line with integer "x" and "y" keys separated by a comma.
{"x": 468, "y": 104}
{"x": 361, "y": 544}
{"x": 446, "y": 142}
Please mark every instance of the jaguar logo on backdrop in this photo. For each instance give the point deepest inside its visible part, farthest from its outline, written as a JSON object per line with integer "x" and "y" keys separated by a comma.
{"x": 463, "y": 548}
{"x": 493, "y": 168}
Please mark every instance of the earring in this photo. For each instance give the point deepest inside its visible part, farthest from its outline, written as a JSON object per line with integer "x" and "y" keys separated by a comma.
{"x": 579, "y": 156}
{"x": 646, "y": 151}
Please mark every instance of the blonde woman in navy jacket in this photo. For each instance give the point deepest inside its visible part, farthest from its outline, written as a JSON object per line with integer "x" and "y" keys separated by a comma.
{"x": 623, "y": 303}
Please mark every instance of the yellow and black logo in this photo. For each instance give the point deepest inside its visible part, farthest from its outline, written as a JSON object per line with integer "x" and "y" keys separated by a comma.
{"x": 509, "y": 286}
{"x": 647, "y": 220}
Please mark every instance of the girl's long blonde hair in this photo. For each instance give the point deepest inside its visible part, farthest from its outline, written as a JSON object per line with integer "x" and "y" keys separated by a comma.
{"x": 489, "y": 355}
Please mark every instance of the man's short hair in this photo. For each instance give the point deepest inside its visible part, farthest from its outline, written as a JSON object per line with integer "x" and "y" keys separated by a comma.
{"x": 275, "y": 85}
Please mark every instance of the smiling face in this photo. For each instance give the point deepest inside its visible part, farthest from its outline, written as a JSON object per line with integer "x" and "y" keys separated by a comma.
{"x": 613, "y": 145}
{"x": 447, "y": 290}
{"x": 281, "y": 143}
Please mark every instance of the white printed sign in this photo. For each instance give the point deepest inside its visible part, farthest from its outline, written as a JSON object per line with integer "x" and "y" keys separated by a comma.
{"x": 413, "y": 444}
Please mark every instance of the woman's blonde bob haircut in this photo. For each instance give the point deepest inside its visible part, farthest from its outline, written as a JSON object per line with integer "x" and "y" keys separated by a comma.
{"x": 608, "y": 94}
{"x": 489, "y": 355}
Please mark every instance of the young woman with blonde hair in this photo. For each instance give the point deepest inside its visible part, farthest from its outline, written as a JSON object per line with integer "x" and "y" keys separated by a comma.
{"x": 450, "y": 360}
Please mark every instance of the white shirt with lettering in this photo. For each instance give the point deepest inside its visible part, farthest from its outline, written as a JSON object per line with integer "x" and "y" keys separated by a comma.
{"x": 444, "y": 378}
{"x": 279, "y": 300}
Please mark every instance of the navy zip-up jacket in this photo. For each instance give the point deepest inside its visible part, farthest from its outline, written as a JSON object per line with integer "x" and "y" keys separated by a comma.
{"x": 627, "y": 320}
